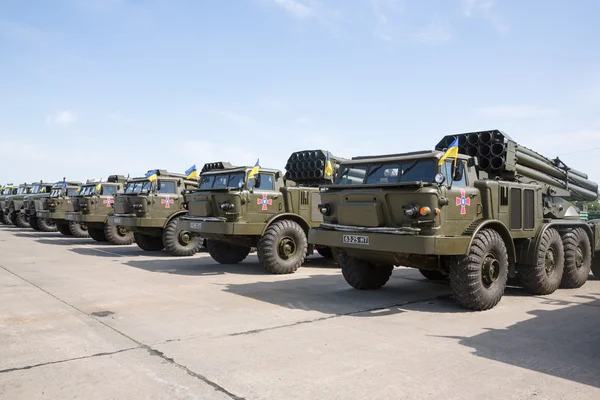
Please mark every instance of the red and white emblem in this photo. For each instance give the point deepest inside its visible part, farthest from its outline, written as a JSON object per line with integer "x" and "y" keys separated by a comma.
{"x": 463, "y": 201}
{"x": 167, "y": 201}
{"x": 110, "y": 201}
{"x": 264, "y": 202}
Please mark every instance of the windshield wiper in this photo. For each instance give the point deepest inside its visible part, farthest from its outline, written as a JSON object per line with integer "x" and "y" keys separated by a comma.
{"x": 411, "y": 166}
{"x": 377, "y": 168}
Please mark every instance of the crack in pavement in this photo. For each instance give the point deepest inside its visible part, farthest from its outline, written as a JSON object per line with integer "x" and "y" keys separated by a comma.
{"x": 2, "y": 371}
{"x": 150, "y": 350}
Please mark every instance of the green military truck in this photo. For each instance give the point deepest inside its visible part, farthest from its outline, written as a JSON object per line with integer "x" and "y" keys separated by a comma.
{"x": 13, "y": 205}
{"x": 239, "y": 208}
{"x": 151, "y": 207}
{"x": 93, "y": 204}
{"x": 7, "y": 190}
{"x": 493, "y": 210}
{"x": 38, "y": 192}
{"x": 54, "y": 208}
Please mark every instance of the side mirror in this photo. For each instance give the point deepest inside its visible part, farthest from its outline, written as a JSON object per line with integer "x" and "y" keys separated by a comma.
{"x": 458, "y": 173}
{"x": 257, "y": 181}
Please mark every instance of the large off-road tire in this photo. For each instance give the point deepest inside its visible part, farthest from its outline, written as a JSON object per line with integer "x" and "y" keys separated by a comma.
{"x": 34, "y": 223}
{"x": 6, "y": 219}
{"x": 147, "y": 242}
{"x": 178, "y": 242}
{"x": 3, "y": 219}
{"x": 578, "y": 258}
{"x": 118, "y": 235}
{"x": 12, "y": 217}
{"x": 545, "y": 276}
{"x": 79, "y": 230}
{"x": 21, "y": 220}
{"x": 433, "y": 275}
{"x": 478, "y": 279}
{"x": 64, "y": 229}
{"x": 97, "y": 234}
{"x": 282, "y": 249}
{"x": 47, "y": 225}
{"x": 226, "y": 253}
{"x": 363, "y": 275}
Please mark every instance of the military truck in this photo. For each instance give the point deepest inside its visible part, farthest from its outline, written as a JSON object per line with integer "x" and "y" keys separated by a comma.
{"x": 38, "y": 192}
{"x": 93, "y": 204}
{"x": 239, "y": 208}
{"x": 13, "y": 205}
{"x": 151, "y": 207}
{"x": 7, "y": 190}
{"x": 54, "y": 208}
{"x": 493, "y": 210}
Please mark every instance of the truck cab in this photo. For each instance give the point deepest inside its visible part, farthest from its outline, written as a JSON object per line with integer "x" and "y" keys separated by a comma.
{"x": 7, "y": 190}
{"x": 14, "y": 203}
{"x": 55, "y": 207}
{"x": 152, "y": 208}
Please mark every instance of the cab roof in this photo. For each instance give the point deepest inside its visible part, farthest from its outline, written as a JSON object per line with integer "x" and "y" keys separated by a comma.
{"x": 238, "y": 169}
{"x": 398, "y": 157}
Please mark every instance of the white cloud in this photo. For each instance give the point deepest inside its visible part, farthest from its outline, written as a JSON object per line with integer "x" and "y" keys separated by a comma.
{"x": 434, "y": 33}
{"x": 485, "y": 9}
{"x": 295, "y": 8}
{"x": 65, "y": 117}
{"x": 516, "y": 112}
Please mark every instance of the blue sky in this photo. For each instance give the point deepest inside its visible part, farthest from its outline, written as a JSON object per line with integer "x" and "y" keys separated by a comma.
{"x": 90, "y": 88}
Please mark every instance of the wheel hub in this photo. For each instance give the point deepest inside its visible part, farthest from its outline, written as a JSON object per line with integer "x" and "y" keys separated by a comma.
{"x": 549, "y": 263}
{"x": 286, "y": 248}
{"x": 184, "y": 238}
{"x": 122, "y": 231}
{"x": 490, "y": 270}
{"x": 579, "y": 257}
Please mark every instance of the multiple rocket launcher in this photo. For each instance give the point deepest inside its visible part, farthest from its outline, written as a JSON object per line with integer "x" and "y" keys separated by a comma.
{"x": 501, "y": 157}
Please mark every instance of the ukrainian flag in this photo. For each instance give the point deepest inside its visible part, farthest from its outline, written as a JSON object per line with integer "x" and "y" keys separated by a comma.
{"x": 254, "y": 170}
{"x": 99, "y": 185}
{"x": 192, "y": 172}
{"x": 452, "y": 151}
{"x": 152, "y": 175}
{"x": 328, "y": 167}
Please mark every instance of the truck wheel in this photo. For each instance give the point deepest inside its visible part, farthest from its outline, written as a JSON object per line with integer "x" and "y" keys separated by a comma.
{"x": 147, "y": 242}
{"x": 34, "y": 223}
{"x": 545, "y": 276}
{"x": 4, "y": 218}
{"x": 479, "y": 278}
{"x": 64, "y": 229}
{"x": 178, "y": 242}
{"x": 118, "y": 235}
{"x": 363, "y": 275}
{"x": 97, "y": 234}
{"x": 46, "y": 225}
{"x": 21, "y": 220}
{"x": 282, "y": 249}
{"x": 78, "y": 230}
{"x": 226, "y": 253}
{"x": 433, "y": 275}
{"x": 578, "y": 258}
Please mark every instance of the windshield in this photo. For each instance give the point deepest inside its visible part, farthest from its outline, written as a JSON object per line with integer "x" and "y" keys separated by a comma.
{"x": 87, "y": 190}
{"x": 22, "y": 189}
{"x": 138, "y": 187}
{"x": 393, "y": 172}
{"x": 7, "y": 191}
{"x": 72, "y": 192}
{"x": 56, "y": 192}
{"x": 36, "y": 189}
{"x": 232, "y": 181}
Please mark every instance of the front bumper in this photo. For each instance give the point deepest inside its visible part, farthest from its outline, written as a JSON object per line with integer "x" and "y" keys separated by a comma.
{"x": 206, "y": 226}
{"x": 363, "y": 240}
{"x": 53, "y": 215}
{"x": 86, "y": 218}
{"x": 133, "y": 221}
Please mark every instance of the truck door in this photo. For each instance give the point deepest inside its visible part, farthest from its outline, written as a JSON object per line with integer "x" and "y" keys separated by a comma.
{"x": 165, "y": 200}
{"x": 263, "y": 200}
{"x": 464, "y": 200}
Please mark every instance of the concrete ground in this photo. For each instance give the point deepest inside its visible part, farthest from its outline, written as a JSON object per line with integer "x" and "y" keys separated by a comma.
{"x": 86, "y": 320}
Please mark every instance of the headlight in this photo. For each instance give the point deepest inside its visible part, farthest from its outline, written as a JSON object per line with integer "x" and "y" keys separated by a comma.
{"x": 411, "y": 211}
{"x": 324, "y": 209}
{"x": 225, "y": 206}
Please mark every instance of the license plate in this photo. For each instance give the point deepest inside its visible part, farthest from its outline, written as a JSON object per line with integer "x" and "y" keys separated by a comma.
{"x": 116, "y": 220}
{"x": 355, "y": 239}
{"x": 195, "y": 225}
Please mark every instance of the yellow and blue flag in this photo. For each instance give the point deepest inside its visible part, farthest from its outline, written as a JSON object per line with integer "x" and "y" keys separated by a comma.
{"x": 192, "y": 172}
{"x": 452, "y": 151}
{"x": 152, "y": 175}
{"x": 99, "y": 185}
{"x": 328, "y": 167}
{"x": 254, "y": 170}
